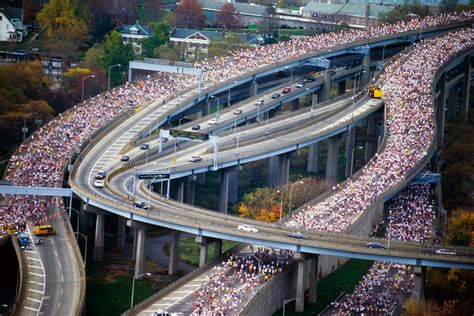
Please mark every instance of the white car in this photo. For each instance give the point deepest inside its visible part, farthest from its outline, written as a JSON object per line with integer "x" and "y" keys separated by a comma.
{"x": 99, "y": 183}
{"x": 445, "y": 252}
{"x": 213, "y": 121}
{"x": 247, "y": 228}
{"x": 195, "y": 158}
{"x": 237, "y": 112}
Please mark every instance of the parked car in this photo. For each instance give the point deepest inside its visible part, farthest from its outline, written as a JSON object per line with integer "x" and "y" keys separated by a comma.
{"x": 144, "y": 146}
{"x": 297, "y": 235}
{"x": 247, "y": 228}
{"x": 275, "y": 96}
{"x": 125, "y": 158}
{"x": 286, "y": 90}
{"x": 445, "y": 252}
{"x": 141, "y": 204}
{"x": 99, "y": 183}
{"x": 213, "y": 121}
{"x": 100, "y": 175}
{"x": 196, "y": 127}
{"x": 237, "y": 112}
{"x": 195, "y": 158}
{"x": 259, "y": 102}
{"x": 376, "y": 245}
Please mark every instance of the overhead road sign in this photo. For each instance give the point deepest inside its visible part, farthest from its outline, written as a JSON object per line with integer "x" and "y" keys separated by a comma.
{"x": 319, "y": 62}
{"x": 189, "y": 135}
{"x": 153, "y": 176}
{"x": 41, "y": 191}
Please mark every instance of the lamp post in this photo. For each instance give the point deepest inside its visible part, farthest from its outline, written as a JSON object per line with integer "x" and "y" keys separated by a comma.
{"x": 133, "y": 285}
{"x": 291, "y": 191}
{"x": 24, "y": 129}
{"x": 83, "y": 80}
{"x": 281, "y": 205}
{"x": 287, "y": 301}
{"x": 179, "y": 122}
{"x": 85, "y": 252}
{"x": 108, "y": 77}
{"x": 218, "y": 102}
{"x": 78, "y": 218}
{"x": 228, "y": 94}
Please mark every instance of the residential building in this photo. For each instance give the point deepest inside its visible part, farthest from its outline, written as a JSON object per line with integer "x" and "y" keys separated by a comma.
{"x": 133, "y": 33}
{"x": 11, "y": 25}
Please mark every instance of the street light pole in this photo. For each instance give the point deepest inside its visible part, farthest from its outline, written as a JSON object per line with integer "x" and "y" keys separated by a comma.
{"x": 83, "y": 80}
{"x": 281, "y": 205}
{"x": 218, "y": 102}
{"x": 287, "y": 301}
{"x": 85, "y": 238}
{"x": 133, "y": 285}
{"x": 78, "y": 218}
{"x": 291, "y": 191}
{"x": 108, "y": 78}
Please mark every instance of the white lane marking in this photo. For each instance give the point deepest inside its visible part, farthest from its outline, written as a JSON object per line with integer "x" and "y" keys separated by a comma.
{"x": 185, "y": 292}
{"x": 59, "y": 305}
{"x": 33, "y": 259}
{"x": 31, "y": 308}
{"x": 32, "y": 299}
{"x": 62, "y": 291}
{"x": 42, "y": 267}
{"x": 37, "y": 274}
{"x": 36, "y": 291}
{"x": 52, "y": 241}
{"x": 55, "y": 253}
{"x": 60, "y": 266}
{"x": 37, "y": 283}
{"x": 32, "y": 266}
{"x": 62, "y": 278}
{"x": 30, "y": 251}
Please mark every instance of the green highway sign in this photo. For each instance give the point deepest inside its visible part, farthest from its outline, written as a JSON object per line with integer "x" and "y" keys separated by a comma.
{"x": 189, "y": 135}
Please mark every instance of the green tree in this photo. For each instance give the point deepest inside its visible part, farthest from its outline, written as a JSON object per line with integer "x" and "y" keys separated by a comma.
{"x": 160, "y": 37}
{"x": 167, "y": 51}
{"x": 116, "y": 52}
{"x": 222, "y": 47}
{"x": 93, "y": 56}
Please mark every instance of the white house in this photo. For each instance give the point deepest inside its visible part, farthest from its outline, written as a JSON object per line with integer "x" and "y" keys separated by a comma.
{"x": 134, "y": 33}
{"x": 11, "y": 25}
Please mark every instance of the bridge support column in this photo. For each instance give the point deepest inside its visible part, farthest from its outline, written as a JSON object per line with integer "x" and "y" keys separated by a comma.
{"x": 202, "y": 241}
{"x": 180, "y": 191}
{"x": 174, "y": 253}
{"x": 228, "y": 179}
{"x": 121, "y": 228}
{"x": 295, "y": 105}
{"x": 140, "y": 251}
{"x": 341, "y": 87}
{"x": 83, "y": 218}
{"x": 284, "y": 168}
{"x": 350, "y": 151}
{"x": 466, "y": 84}
{"x": 333, "y": 157}
{"x": 452, "y": 102}
{"x": 313, "y": 280}
{"x": 441, "y": 111}
{"x": 253, "y": 87}
{"x": 234, "y": 186}
{"x": 99, "y": 238}
{"x": 421, "y": 295}
{"x": 370, "y": 147}
{"x": 218, "y": 248}
{"x": 201, "y": 178}
{"x": 313, "y": 158}
{"x": 326, "y": 89}
{"x": 206, "y": 108}
{"x": 135, "y": 239}
{"x": 190, "y": 189}
{"x": 365, "y": 76}
{"x": 300, "y": 281}
{"x": 273, "y": 172}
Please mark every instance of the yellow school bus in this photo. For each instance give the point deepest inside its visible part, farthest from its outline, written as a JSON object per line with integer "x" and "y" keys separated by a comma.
{"x": 43, "y": 230}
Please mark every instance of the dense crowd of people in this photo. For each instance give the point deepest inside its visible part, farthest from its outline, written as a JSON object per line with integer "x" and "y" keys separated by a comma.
{"x": 410, "y": 128}
{"x": 237, "y": 280}
{"x": 411, "y": 218}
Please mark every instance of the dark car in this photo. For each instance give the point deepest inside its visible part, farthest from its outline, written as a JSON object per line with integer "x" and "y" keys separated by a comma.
{"x": 311, "y": 79}
{"x": 39, "y": 241}
{"x": 144, "y": 146}
{"x": 125, "y": 158}
{"x": 275, "y": 96}
{"x": 196, "y": 127}
{"x": 286, "y": 90}
{"x": 141, "y": 204}
{"x": 376, "y": 245}
{"x": 297, "y": 235}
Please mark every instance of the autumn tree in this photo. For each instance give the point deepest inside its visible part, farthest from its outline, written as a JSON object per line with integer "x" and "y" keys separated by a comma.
{"x": 228, "y": 17}
{"x": 189, "y": 14}
{"x": 461, "y": 228}
{"x": 65, "y": 28}
{"x": 103, "y": 20}
{"x": 160, "y": 37}
{"x": 30, "y": 10}
{"x": 151, "y": 11}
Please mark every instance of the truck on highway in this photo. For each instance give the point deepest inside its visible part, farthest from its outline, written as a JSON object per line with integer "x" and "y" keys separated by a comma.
{"x": 24, "y": 240}
{"x": 43, "y": 230}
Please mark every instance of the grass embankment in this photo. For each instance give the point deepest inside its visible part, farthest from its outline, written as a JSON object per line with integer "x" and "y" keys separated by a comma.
{"x": 329, "y": 288}
{"x": 189, "y": 250}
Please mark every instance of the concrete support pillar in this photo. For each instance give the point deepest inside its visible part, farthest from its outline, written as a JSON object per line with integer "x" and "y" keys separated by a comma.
{"x": 313, "y": 280}
{"x": 201, "y": 178}
{"x": 295, "y": 104}
{"x": 441, "y": 111}
{"x": 370, "y": 147}
{"x": 99, "y": 238}
{"x": 365, "y": 75}
{"x": 140, "y": 251}
{"x": 452, "y": 103}
{"x": 326, "y": 89}
{"x": 134, "y": 247}
{"x": 224, "y": 192}
{"x": 180, "y": 191}
{"x": 421, "y": 295}
{"x": 333, "y": 157}
{"x": 314, "y": 100}
{"x": 253, "y": 87}
{"x": 233, "y": 187}
{"x": 284, "y": 168}
{"x": 350, "y": 151}
{"x": 313, "y": 158}
{"x": 83, "y": 220}
{"x": 273, "y": 172}
{"x": 206, "y": 108}
{"x": 218, "y": 248}
{"x": 174, "y": 253}
{"x": 203, "y": 250}
{"x": 341, "y": 87}
{"x": 300, "y": 282}
{"x": 121, "y": 229}
{"x": 190, "y": 188}
{"x": 465, "y": 90}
